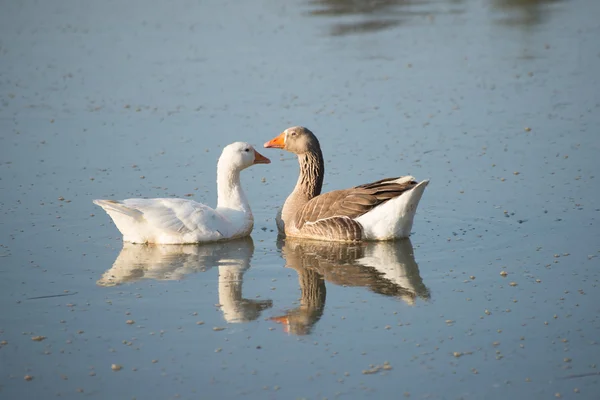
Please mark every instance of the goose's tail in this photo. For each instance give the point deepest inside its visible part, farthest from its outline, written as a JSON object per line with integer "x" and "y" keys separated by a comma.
{"x": 111, "y": 206}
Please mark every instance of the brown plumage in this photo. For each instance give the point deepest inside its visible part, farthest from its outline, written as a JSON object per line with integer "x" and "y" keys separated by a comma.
{"x": 352, "y": 202}
{"x": 385, "y": 268}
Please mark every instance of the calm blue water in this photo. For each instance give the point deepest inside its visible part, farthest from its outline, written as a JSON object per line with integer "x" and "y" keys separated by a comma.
{"x": 497, "y": 102}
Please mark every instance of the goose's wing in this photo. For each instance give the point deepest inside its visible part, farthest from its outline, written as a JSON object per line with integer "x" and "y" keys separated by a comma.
{"x": 352, "y": 203}
{"x": 333, "y": 214}
{"x": 177, "y": 215}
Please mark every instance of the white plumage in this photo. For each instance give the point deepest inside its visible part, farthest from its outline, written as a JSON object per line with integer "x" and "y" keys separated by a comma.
{"x": 180, "y": 221}
{"x": 393, "y": 219}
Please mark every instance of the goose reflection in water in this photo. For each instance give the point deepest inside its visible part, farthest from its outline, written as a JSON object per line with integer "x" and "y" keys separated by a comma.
{"x": 174, "y": 262}
{"x": 386, "y": 268}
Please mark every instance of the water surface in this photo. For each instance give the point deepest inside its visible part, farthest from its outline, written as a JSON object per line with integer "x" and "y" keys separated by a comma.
{"x": 497, "y": 102}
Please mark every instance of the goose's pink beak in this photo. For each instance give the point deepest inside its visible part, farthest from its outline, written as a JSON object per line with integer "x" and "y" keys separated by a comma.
{"x": 276, "y": 143}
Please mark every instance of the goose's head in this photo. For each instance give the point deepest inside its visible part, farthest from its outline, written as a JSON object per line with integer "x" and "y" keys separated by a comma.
{"x": 241, "y": 155}
{"x": 297, "y": 139}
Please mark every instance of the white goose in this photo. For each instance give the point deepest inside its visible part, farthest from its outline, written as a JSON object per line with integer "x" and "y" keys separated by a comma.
{"x": 176, "y": 262}
{"x": 382, "y": 210}
{"x": 181, "y": 221}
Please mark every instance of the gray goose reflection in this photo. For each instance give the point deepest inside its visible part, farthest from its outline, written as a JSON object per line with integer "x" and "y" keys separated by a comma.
{"x": 360, "y": 16}
{"x": 386, "y": 268}
{"x": 174, "y": 262}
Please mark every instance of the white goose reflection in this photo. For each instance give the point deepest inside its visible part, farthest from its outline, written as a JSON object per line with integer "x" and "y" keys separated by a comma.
{"x": 387, "y": 268}
{"x": 173, "y": 262}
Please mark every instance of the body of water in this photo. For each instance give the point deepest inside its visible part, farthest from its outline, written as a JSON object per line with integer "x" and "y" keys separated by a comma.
{"x": 494, "y": 296}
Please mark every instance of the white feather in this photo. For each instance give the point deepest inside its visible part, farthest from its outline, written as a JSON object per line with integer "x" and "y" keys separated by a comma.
{"x": 394, "y": 218}
{"x": 167, "y": 221}
{"x": 180, "y": 221}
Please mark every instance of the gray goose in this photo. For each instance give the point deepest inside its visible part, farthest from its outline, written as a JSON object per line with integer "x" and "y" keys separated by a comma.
{"x": 381, "y": 210}
{"x": 385, "y": 268}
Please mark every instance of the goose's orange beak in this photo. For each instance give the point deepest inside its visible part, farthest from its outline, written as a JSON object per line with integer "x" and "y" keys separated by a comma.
{"x": 284, "y": 320}
{"x": 281, "y": 320}
{"x": 260, "y": 159}
{"x": 276, "y": 143}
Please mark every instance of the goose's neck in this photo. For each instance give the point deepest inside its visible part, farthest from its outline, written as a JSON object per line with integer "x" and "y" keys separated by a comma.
{"x": 230, "y": 292}
{"x": 314, "y": 292}
{"x": 230, "y": 192}
{"x": 310, "y": 181}
{"x": 312, "y": 171}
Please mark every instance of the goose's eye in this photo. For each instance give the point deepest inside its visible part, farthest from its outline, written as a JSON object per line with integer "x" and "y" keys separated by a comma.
{"x": 247, "y": 150}
{"x": 293, "y": 133}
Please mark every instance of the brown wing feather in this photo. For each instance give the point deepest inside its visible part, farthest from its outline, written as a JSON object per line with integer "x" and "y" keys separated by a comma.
{"x": 382, "y": 181}
{"x": 343, "y": 229}
{"x": 351, "y": 203}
